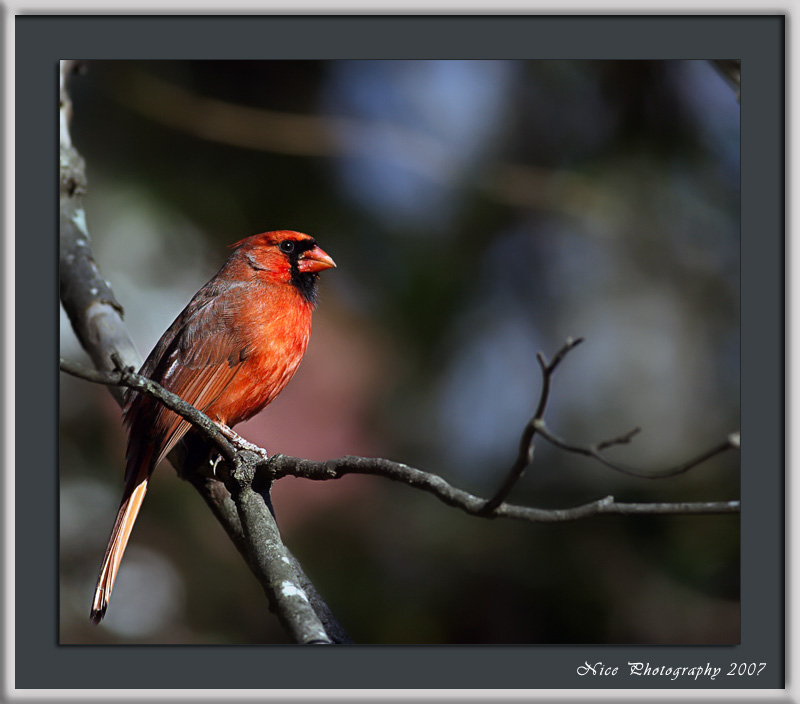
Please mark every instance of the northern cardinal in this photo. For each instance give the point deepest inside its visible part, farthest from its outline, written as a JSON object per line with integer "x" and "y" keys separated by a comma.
{"x": 229, "y": 353}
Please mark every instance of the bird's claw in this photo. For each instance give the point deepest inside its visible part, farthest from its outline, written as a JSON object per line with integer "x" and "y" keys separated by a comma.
{"x": 209, "y": 469}
{"x": 241, "y": 444}
{"x": 214, "y": 464}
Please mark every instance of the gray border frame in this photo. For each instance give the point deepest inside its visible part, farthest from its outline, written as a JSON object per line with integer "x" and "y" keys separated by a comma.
{"x": 42, "y": 40}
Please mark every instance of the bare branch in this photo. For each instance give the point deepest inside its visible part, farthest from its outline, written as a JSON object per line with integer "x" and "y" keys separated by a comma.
{"x": 281, "y": 466}
{"x": 274, "y": 566}
{"x": 226, "y": 512}
{"x": 594, "y": 451}
{"x": 278, "y": 466}
{"x": 538, "y": 425}
{"x": 127, "y": 377}
{"x": 525, "y": 452}
{"x": 623, "y": 439}
{"x": 276, "y": 571}
{"x": 90, "y": 304}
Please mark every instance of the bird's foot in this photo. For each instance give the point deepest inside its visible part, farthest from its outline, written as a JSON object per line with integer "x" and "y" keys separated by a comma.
{"x": 240, "y": 443}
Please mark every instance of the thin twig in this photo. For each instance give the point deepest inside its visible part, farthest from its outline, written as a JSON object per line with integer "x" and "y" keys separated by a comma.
{"x": 127, "y": 377}
{"x": 623, "y": 439}
{"x": 537, "y": 425}
{"x": 594, "y": 451}
{"x": 525, "y": 451}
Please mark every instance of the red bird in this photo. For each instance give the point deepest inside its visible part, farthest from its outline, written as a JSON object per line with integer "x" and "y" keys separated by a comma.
{"x": 229, "y": 354}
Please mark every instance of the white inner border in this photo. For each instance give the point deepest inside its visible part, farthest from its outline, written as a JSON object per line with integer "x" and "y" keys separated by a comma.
{"x": 209, "y": 7}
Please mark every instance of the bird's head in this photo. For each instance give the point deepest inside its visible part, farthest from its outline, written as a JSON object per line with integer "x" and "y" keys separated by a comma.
{"x": 286, "y": 257}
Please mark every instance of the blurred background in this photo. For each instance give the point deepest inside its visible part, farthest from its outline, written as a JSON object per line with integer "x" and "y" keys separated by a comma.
{"x": 479, "y": 212}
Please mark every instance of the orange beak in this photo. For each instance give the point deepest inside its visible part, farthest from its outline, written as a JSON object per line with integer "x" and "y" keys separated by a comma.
{"x": 314, "y": 260}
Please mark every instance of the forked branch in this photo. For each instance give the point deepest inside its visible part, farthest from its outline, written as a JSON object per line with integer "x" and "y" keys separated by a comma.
{"x": 537, "y": 425}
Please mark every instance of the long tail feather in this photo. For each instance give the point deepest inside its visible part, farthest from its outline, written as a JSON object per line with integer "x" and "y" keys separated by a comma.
{"x": 120, "y": 533}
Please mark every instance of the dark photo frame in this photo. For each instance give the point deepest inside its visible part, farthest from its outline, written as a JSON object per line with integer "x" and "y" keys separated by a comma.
{"x": 41, "y": 663}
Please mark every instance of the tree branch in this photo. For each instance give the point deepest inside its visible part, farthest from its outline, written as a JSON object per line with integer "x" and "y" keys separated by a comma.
{"x": 525, "y": 453}
{"x": 126, "y": 377}
{"x": 594, "y": 451}
{"x": 90, "y": 304}
{"x": 537, "y": 425}
{"x": 276, "y": 571}
{"x": 304, "y": 615}
{"x": 281, "y": 466}
{"x": 226, "y": 512}
{"x": 278, "y": 466}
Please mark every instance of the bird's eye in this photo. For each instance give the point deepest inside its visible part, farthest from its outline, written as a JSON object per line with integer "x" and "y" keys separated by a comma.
{"x": 287, "y": 246}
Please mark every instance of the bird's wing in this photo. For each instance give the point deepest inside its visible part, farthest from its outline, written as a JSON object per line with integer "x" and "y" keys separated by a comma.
{"x": 197, "y": 358}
